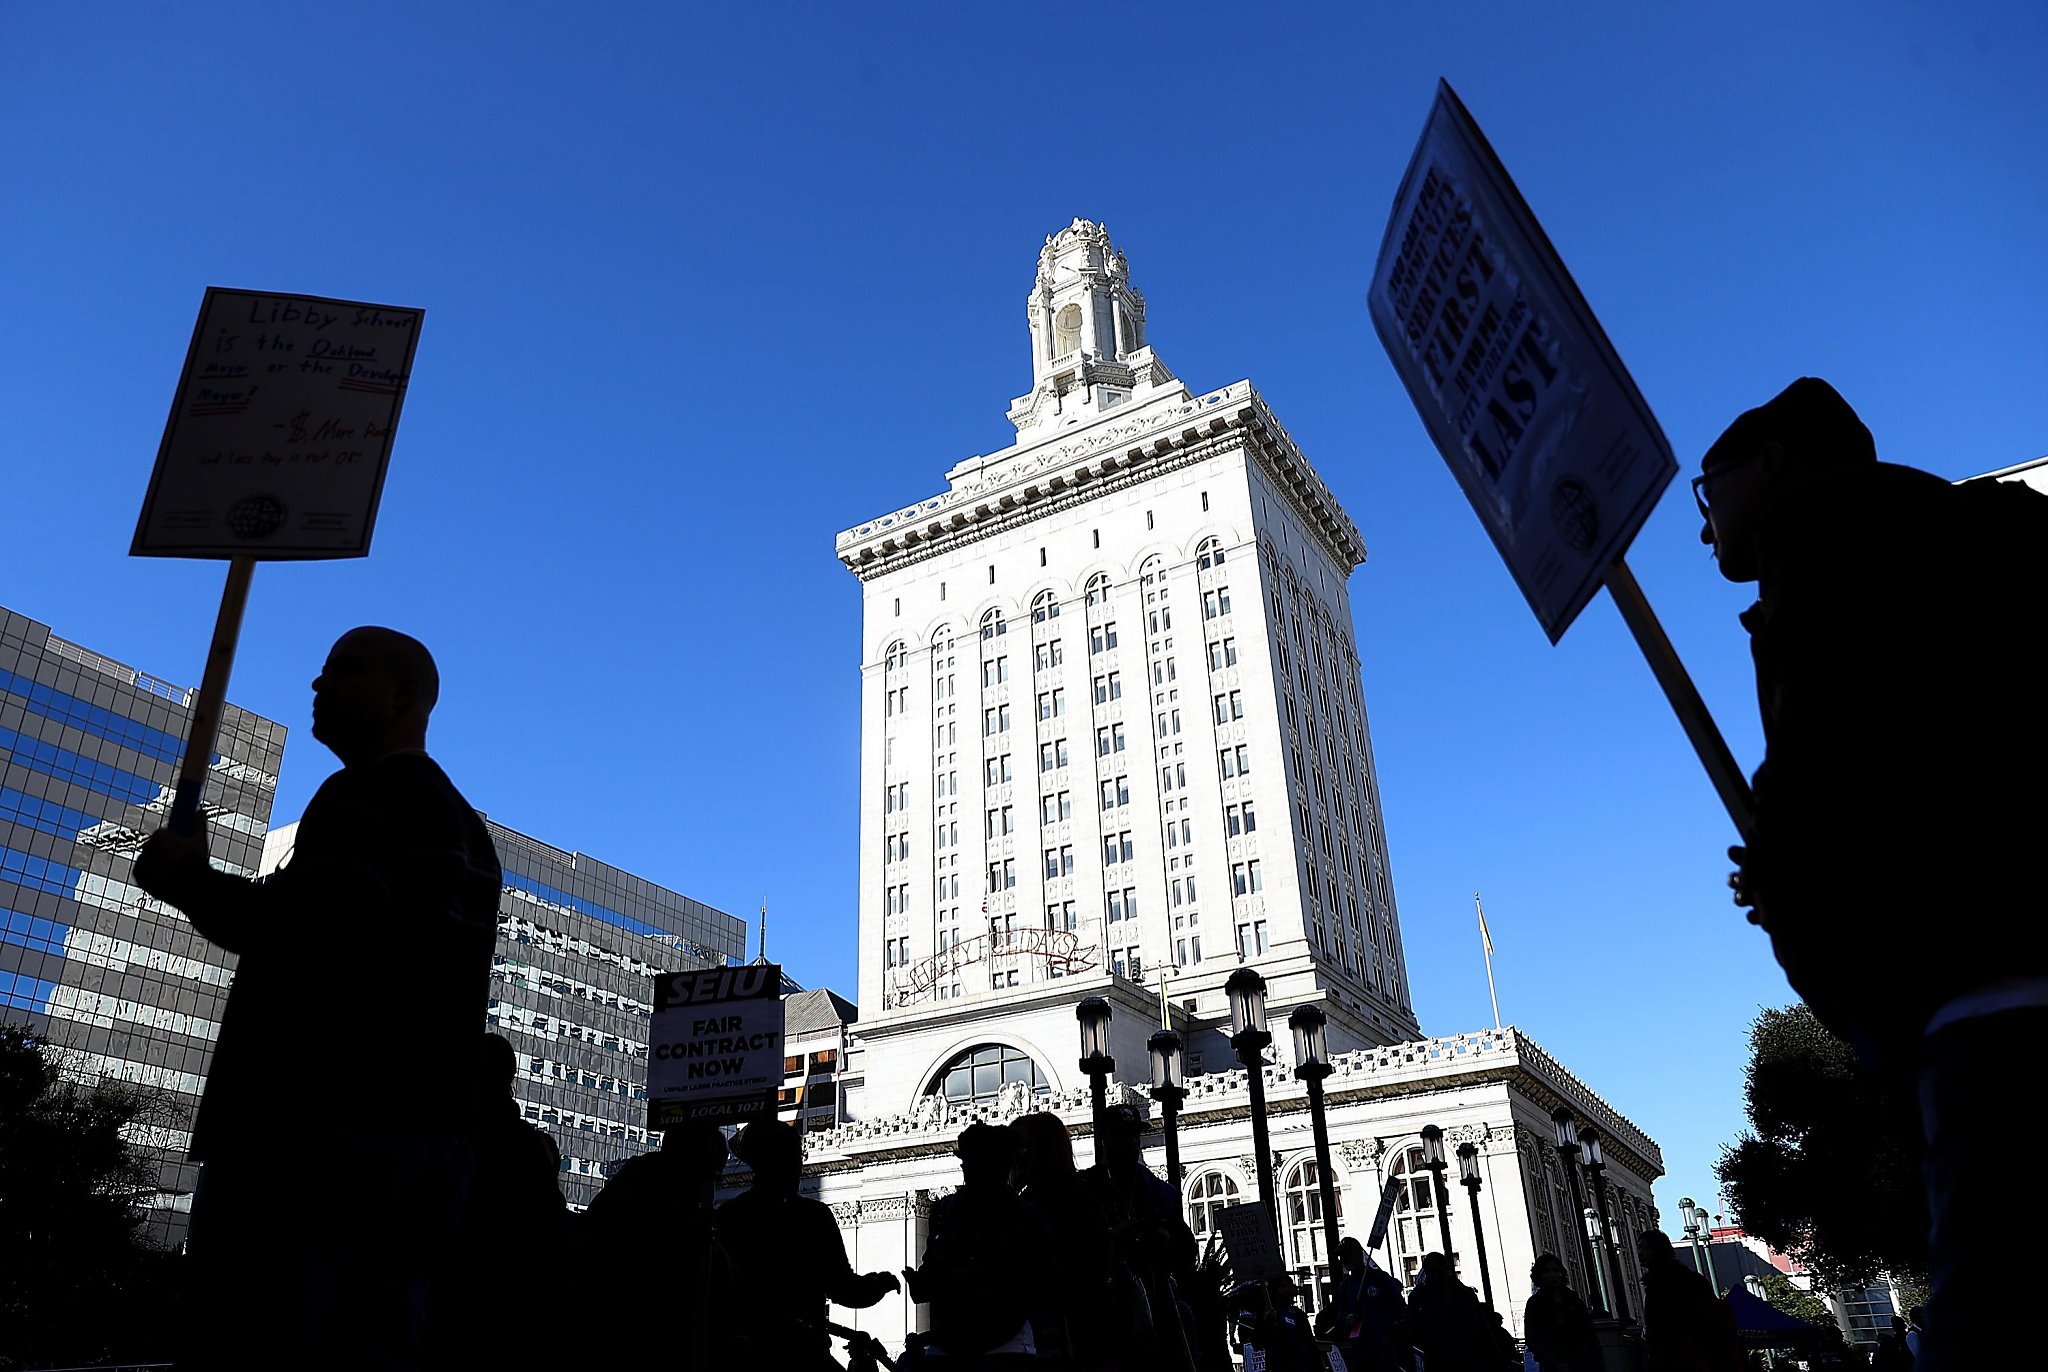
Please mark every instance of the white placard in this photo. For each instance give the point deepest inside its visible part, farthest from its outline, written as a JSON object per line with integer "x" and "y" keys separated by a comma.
{"x": 1514, "y": 378}
{"x": 1249, "y": 1239}
{"x": 281, "y": 429}
{"x": 717, "y": 1049}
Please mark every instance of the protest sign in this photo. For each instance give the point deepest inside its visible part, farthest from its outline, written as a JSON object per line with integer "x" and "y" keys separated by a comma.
{"x": 1388, "y": 1194}
{"x": 275, "y": 448}
{"x": 1527, "y": 401}
{"x": 717, "y": 1045}
{"x": 280, "y": 430}
{"x": 1511, "y": 373}
{"x": 1248, "y": 1237}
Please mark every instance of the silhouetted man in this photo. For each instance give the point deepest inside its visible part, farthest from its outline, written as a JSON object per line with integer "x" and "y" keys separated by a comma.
{"x": 652, "y": 1226}
{"x": 987, "y": 1256}
{"x": 789, "y": 1260}
{"x": 1899, "y": 805}
{"x": 1447, "y": 1322}
{"x": 1146, "y": 1233}
{"x": 1556, "y": 1322}
{"x": 514, "y": 1204}
{"x": 1686, "y": 1328}
{"x": 333, "y": 1149}
{"x": 1365, "y": 1317}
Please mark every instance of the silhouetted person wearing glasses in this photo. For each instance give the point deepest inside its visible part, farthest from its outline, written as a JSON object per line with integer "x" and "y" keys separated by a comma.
{"x": 1900, "y": 799}
{"x": 314, "y": 1236}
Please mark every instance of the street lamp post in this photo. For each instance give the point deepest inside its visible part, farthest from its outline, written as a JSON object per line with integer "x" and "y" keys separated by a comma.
{"x": 1468, "y": 1177}
{"x": 1568, "y": 1155}
{"x": 1695, "y": 1226}
{"x": 1596, "y": 1167}
{"x": 1093, "y": 1013}
{"x": 1249, "y": 1037}
{"x": 1170, "y": 1093}
{"x": 1312, "y": 1066}
{"x": 1589, "y": 1219}
{"x": 1433, "y": 1159}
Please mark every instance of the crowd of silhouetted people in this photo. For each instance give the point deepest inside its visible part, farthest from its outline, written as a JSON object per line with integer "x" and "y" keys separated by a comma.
{"x": 1874, "y": 662}
{"x": 1030, "y": 1259}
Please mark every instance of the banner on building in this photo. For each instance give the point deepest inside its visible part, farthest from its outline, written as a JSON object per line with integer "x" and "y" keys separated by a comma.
{"x": 1512, "y": 375}
{"x": 280, "y": 431}
{"x": 717, "y": 1045}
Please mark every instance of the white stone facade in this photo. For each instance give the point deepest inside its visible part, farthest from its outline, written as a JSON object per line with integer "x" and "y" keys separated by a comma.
{"x": 1114, "y": 743}
{"x": 1110, "y": 670}
{"x": 1495, "y": 1089}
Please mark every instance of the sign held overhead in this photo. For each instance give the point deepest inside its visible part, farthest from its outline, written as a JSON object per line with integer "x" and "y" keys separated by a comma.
{"x": 1513, "y": 376}
{"x": 717, "y": 1045}
{"x": 281, "y": 428}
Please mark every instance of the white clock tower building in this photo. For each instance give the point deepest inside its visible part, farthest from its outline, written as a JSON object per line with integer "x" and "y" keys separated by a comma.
{"x": 1113, "y": 737}
{"x": 1113, "y": 743}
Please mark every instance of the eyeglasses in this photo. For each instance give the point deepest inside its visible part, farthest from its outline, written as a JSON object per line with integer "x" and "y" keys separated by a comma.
{"x": 1699, "y": 483}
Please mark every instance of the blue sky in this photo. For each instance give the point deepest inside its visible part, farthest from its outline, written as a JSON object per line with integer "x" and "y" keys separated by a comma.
{"x": 706, "y": 284}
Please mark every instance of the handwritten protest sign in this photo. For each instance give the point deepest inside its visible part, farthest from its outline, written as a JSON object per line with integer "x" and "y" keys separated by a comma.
{"x": 1248, "y": 1237}
{"x": 1514, "y": 378}
{"x": 281, "y": 429}
{"x": 717, "y": 1049}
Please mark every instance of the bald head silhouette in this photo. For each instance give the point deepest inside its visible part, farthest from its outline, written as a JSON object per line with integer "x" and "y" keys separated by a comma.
{"x": 374, "y": 694}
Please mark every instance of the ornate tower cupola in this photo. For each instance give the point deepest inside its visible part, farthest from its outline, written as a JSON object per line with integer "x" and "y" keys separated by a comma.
{"x": 1088, "y": 349}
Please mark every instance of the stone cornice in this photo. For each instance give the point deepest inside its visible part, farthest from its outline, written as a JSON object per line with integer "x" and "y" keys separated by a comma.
{"x": 1393, "y": 1071}
{"x": 1058, "y": 473}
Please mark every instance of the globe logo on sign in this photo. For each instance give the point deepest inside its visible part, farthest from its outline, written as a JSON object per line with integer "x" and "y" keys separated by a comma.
{"x": 1575, "y": 514}
{"x": 256, "y": 516}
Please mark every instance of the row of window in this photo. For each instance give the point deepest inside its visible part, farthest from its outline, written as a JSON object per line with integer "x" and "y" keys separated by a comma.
{"x": 1045, "y": 605}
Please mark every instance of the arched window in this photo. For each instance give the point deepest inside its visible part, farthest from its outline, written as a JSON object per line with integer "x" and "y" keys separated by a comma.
{"x": 1206, "y": 1199}
{"x": 1045, "y": 606}
{"x": 1098, "y": 589}
{"x": 992, "y": 625}
{"x": 1302, "y": 1204}
{"x": 1208, "y": 553}
{"x": 1414, "y": 1230}
{"x": 978, "y": 1075}
{"x": 896, "y": 656}
{"x": 1066, "y": 330}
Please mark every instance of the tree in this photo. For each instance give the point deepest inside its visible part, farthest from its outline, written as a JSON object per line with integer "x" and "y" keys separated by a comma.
{"x": 1800, "y": 1305}
{"x": 77, "y": 1282}
{"x": 1830, "y": 1170}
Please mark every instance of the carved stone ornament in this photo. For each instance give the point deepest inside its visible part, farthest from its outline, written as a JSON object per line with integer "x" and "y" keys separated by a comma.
{"x": 930, "y": 1113}
{"x": 885, "y": 1208}
{"x": 1358, "y": 1155}
{"x": 847, "y": 1213}
{"x": 1474, "y": 1134}
{"x": 1012, "y": 1100}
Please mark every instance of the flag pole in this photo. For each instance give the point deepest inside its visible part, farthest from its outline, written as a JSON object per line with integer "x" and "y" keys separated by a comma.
{"x": 1486, "y": 942}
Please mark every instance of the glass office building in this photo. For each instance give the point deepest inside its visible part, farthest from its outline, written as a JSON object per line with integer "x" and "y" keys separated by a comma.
{"x": 124, "y": 988}
{"x": 118, "y": 983}
{"x": 579, "y": 943}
